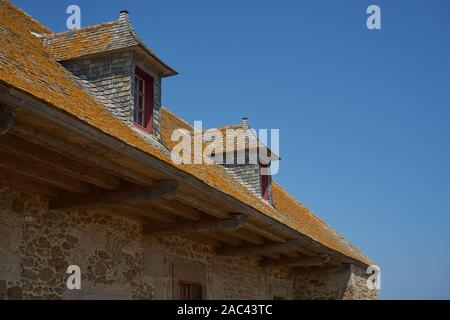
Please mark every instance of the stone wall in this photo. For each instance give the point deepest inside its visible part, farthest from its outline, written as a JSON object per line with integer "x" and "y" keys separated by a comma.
{"x": 350, "y": 283}
{"x": 37, "y": 246}
{"x": 171, "y": 259}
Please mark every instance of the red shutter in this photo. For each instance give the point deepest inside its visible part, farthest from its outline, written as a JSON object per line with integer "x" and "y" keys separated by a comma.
{"x": 185, "y": 291}
{"x": 265, "y": 180}
{"x": 149, "y": 100}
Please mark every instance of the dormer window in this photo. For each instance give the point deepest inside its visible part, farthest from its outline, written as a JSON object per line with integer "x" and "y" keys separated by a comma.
{"x": 265, "y": 181}
{"x": 143, "y": 100}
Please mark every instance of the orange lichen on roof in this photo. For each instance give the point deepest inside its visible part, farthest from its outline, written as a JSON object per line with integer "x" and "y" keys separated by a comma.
{"x": 89, "y": 40}
{"x": 23, "y": 18}
{"x": 214, "y": 175}
{"x": 286, "y": 208}
{"x": 98, "y": 39}
{"x": 26, "y": 64}
{"x": 233, "y": 138}
{"x": 309, "y": 224}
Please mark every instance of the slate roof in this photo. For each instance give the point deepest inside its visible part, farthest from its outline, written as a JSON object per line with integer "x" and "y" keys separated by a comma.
{"x": 100, "y": 38}
{"x": 245, "y": 139}
{"x": 27, "y": 64}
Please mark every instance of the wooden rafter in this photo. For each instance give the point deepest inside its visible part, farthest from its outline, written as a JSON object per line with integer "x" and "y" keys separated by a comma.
{"x": 7, "y": 118}
{"x": 226, "y": 239}
{"x": 127, "y": 197}
{"x": 68, "y": 150}
{"x": 202, "y": 205}
{"x": 318, "y": 271}
{"x": 303, "y": 262}
{"x": 264, "y": 233}
{"x": 179, "y": 209}
{"x": 43, "y": 174}
{"x": 26, "y": 184}
{"x": 246, "y": 236}
{"x": 235, "y": 222}
{"x": 249, "y": 250}
{"x": 147, "y": 212}
{"x": 77, "y": 170}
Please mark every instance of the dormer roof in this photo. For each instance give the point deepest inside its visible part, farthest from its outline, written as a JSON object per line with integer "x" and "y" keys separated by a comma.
{"x": 102, "y": 38}
{"x": 247, "y": 139}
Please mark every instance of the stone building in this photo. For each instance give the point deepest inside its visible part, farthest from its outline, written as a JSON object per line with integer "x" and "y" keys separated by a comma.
{"x": 86, "y": 179}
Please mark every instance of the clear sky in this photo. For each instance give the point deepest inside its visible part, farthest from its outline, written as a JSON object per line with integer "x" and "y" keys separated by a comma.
{"x": 363, "y": 115}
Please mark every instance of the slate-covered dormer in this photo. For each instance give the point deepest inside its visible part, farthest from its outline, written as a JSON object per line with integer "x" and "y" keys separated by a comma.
{"x": 111, "y": 61}
{"x": 254, "y": 169}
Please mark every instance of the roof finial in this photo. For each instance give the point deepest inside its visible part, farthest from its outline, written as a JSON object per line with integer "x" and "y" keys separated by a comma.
{"x": 124, "y": 16}
{"x": 244, "y": 124}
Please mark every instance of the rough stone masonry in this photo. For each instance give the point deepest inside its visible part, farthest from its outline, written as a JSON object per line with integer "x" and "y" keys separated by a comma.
{"x": 117, "y": 262}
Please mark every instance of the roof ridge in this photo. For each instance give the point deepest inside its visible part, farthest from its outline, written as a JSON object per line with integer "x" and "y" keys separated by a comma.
{"x": 123, "y": 28}
{"x": 231, "y": 126}
{"x": 81, "y": 30}
{"x": 14, "y": 7}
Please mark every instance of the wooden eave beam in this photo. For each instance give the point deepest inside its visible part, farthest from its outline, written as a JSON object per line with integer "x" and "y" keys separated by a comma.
{"x": 179, "y": 209}
{"x": 226, "y": 239}
{"x": 251, "y": 250}
{"x": 127, "y": 197}
{"x": 43, "y": 174}
{"x": 7, "y": 118}
{"x": 264, "y": 233}
{"x": 235, "y": 222}
{"x": 147, "y": 212}
{"x": 246, "y": 236}
{"x": 75, "y": 169}
{"x": 202, "y": 205}
{"x": 319, "y": 271}
{"x": 24, "y": 183}
{"x": 297, "y": 262}
{"x": 53, "y": 144}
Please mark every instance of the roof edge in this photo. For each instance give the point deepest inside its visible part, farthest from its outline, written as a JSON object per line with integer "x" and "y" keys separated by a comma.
{"x": 167, "y": 71}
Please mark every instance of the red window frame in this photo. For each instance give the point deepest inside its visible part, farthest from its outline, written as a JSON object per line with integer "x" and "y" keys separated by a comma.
{"x": 185, "y": 291}
{"x": 265, "y": 182}
{"x": 143, "y": 100}
{"x": 190, "y": 290}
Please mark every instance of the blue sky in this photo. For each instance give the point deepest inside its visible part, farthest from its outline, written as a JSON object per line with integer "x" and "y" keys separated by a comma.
{"x": 363, "y": 115}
